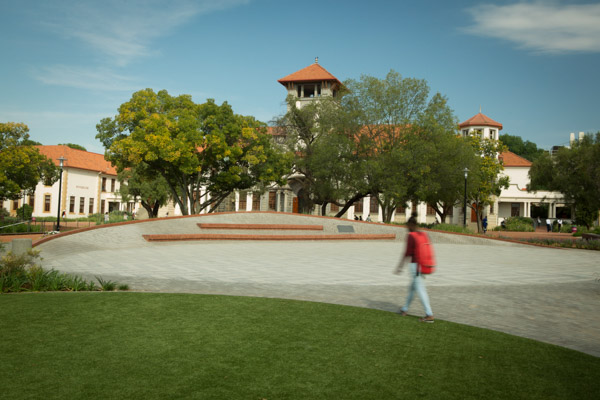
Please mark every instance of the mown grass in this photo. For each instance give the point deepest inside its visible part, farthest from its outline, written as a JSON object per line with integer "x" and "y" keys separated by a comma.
{"x": 157, "y": 346}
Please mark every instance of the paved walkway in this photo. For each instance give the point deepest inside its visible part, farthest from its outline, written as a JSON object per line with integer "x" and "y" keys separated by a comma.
{"x": 551, "y": 295}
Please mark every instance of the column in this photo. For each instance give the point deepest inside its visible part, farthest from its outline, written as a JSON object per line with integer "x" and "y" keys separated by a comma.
{"x": 366, "y": 207}
{"x": 237, "y": 201}
{"x": 248, "y": 201}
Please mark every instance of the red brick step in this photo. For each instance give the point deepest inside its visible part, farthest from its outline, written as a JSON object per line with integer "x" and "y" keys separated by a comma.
{"x": 226, "y": 236}
{"x": 286, "y": 227}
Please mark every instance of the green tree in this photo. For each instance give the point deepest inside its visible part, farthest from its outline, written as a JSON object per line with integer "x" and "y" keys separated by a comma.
{"x": 485, "y": 181}
{"x": 317, "y": 137}
{"x": 390, "y": 140}
{"x": 74, "y": 146}
{"x": 574, "y": 172}
{"x": 192, "y": 146}
{"x": 140, "y": 184}
{"x": 22, "y": 166}
{"x": 525, "y": 149}
{"x": 449, "y": 155}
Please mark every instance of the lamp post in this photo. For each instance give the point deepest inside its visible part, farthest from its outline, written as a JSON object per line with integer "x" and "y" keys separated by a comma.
{"x": 61, "y": 160}
{"x": 465, "y": 203}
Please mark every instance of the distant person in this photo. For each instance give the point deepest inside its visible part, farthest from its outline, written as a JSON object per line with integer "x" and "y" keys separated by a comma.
{"x": 64, "y": 214}
{"x": 484, "y": 224}
{"x": 539, "y": 221}
{"x": 368, "y": 218}
{"x": 548, "y": 225}
{"x": 418, "y": 280}
{"x": 560, "y": 223}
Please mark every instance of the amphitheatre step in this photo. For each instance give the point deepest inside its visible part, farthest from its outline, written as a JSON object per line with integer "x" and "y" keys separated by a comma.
{"x": 287, "y": 227}
{"x": 226, "y": 236}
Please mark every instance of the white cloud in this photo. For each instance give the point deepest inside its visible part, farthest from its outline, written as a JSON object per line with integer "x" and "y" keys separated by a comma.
{"x": 124, "y": 30}
{"x": 83, "y": 78}
{"x": 543, "y": 27}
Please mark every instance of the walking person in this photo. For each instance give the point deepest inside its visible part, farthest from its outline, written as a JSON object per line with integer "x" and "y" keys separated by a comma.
{"x": 548, "y": 225}
{"x": 560, "y": 222}
{"x": 484, "y": 224}
{"x": 416, "y": 270}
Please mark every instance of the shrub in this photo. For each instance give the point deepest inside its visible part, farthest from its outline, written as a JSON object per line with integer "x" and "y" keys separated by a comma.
{"x": 24, "y": 214}
{"x": 519, "y": 224}
{"x": 22, "y": 273}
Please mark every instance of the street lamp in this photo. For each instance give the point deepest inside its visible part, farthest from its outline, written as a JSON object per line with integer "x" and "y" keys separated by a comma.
{"x": 465, "y": 204}
{"x": 61, "y": 160}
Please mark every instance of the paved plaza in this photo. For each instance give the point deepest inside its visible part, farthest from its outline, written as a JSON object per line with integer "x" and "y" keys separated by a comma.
{"x": 551, "y": 295}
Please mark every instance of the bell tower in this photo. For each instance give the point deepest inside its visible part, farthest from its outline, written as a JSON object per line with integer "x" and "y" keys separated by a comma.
{"x": 310, "y": 83}
{"x": 482, "y": 126}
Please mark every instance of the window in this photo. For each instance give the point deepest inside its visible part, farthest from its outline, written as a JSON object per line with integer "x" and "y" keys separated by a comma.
{"x": 243, "y": 201}
{"x": 272, "y": 200}
{"x": 478, "y": 133}
{"x": 112, "y": 185}
{"x": 104, "y": 184}
{"x": 358, "y": 206}
{"x": 335, "y": 208}
{"x": 374, "y": 205}
{"x": 430, "y": 210}
{"x": 81, "y": 205}
{"x": 47, "y": 199}
{"x": 493, "y": 134}
{"x": 492, "y": 208}
{"x": 15, "y": 205}
{"x": 255, "y": 202}
{"x": 400, "y": 209}
{"x": 72, "y": 204}
{"x": 465, "y": 132}
{"x": 91, "y": 209}
{"x": 514, "y": 209}
{"x": 32, "y": 202}
{"x": 102, "y": 206}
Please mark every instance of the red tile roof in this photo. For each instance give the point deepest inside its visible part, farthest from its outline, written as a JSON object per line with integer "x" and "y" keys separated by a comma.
{"x": 510, "y": 159}
{"x": 312, "y": 73}
{"x": 480, "y": 120}
{"x": 78, "y": 159}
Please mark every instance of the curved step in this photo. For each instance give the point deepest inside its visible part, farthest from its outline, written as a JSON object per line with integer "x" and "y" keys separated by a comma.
{"x": 286, "y": 227}
{"x": 226, "y": 236}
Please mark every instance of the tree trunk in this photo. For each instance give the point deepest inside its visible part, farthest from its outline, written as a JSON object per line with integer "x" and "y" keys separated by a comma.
{"x": 324, "y": 209}
{"x": 349, "y": 203}
{"x": 148, "y": 209}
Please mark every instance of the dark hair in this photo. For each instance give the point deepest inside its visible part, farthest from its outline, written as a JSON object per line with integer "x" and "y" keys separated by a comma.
{"x": 412, "y": 219}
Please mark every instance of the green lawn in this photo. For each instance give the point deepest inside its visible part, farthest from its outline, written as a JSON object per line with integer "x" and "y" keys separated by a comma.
{"x": 159, "y": 346}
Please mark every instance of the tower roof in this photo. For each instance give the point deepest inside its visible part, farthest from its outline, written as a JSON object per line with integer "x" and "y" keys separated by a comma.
{"x": 480, "y": 120}
{"x": 510, "y": 159}
{"x": 312, "y": 73}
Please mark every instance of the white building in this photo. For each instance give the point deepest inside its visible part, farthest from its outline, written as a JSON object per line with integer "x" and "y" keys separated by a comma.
{"x": 89, "y": 186}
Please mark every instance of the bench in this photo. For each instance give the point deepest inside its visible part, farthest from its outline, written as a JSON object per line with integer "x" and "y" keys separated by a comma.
{"x": 590, "y": 236}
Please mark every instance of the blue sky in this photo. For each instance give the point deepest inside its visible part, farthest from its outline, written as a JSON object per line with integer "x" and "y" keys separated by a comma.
{"x": 534, "y": 66}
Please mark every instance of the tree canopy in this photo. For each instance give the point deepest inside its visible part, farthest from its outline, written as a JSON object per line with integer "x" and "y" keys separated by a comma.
{"x": 525, "y": 149}
{"x": 22, "y": 166}
{"x": 575, "y": 172}
{"x": 203, "y": 151}
{"x": 74, "y": 146}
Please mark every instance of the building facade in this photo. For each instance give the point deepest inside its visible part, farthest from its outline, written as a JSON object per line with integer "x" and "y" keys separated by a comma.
{"x": 89, "y": 186}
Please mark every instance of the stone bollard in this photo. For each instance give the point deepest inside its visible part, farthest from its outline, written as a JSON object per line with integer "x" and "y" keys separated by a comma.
{"x": 20, "y": 246}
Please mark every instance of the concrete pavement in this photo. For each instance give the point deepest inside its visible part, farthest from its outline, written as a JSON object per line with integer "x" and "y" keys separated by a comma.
{"x": 551, "y": 295}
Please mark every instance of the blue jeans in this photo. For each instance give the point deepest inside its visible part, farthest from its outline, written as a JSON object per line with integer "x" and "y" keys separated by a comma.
{"x": 418, "y": 285}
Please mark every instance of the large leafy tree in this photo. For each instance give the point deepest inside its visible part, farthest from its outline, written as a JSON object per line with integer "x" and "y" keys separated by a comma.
{"x": 525, "y": 149}
{"x": 575, "y": 172}
{"x": 320, "y": 137}
{"x": 449, "y": 155}
{"x": 391, "y": 140}
{"x": 22, "y": 166}
{"x": 203, "y": 151}
{"x": 485, "y": 180}
{"x": 139, "y": 183}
